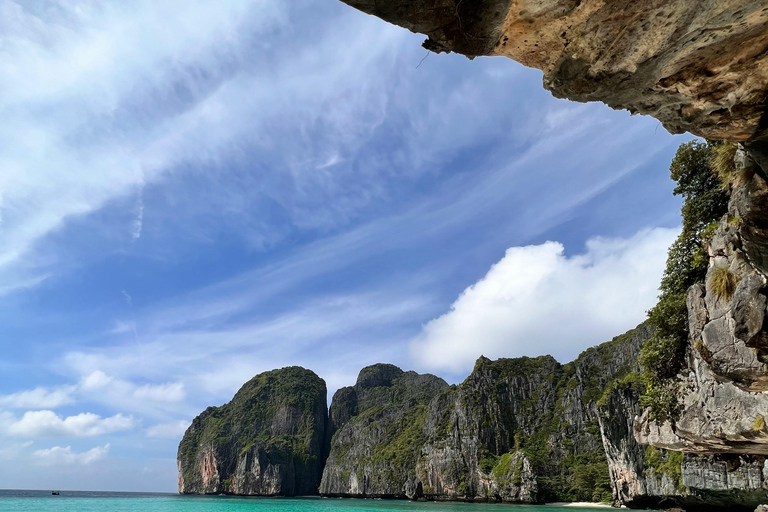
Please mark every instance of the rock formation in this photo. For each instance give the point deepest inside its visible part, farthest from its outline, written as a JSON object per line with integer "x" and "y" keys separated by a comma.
{"x": 516, "y": 430}
{"x": 697, "y": 66}
{"x": 378, "y": 430}
{"x": 725, "y": 387}
{"x": 269, "y": 440}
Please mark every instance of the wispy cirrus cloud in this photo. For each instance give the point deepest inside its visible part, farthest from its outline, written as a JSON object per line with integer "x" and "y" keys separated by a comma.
{"x": 173, "y": 430}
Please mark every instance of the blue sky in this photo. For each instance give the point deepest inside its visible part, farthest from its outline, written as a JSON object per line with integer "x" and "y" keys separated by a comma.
{"x": 194, "y": 192}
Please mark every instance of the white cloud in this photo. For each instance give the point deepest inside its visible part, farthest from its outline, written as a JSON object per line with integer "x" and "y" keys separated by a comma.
{"x": 133, "y": 94}
{"x": 172, "y": 430}
{"x": 39, "y": 398}
{"x": 76, "y": 143}
{"x": 170, "y": 392}
{"x": 95, "y": 380}
{"x": 49, "y": 424}
{"x": 64, "y": 456}
{"x": 537, "y": 300}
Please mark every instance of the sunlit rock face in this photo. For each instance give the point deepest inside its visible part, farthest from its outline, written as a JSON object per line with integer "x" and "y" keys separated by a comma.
{"x": 695, "y": 65}
{"x": 724, "y": 390}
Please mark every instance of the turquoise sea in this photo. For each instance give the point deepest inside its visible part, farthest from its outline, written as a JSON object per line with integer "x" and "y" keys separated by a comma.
{"x": 70, "y": 501}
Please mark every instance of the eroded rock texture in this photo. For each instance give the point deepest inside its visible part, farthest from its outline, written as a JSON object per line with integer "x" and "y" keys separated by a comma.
{"x": 269, "y": 440}
{"x": 650, "y": 477}
{"x": 725, "y": 387}
{"x": 516, "y": 430}
{"x": 377, "y": 427}
{"x": 695, "y": 65}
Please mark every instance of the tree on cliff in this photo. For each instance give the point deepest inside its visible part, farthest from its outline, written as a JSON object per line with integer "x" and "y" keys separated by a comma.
{"x": 705, "y": 201}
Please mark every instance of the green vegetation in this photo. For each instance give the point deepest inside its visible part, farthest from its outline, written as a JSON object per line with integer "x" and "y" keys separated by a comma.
{"x": 591, "y": 482}
{"x": 462, "y": 488}
{"x": 632, "y": 380}
{"x": 666, "y": 462}
{"x": 722, "y": 162}
{"x": 723, "y": 165}
{"x": 405, "y": 441}
{"x": 507, "y": 470}
{"x": 578, "y": 470}
{"x": 488, "y": 462}
{"x": 246, "y": 421}
{"x": 705, "y": 201}
{"x": 723, "y": 282}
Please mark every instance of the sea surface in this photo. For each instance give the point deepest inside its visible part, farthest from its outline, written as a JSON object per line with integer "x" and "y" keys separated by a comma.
{"x": 78, "y": 501}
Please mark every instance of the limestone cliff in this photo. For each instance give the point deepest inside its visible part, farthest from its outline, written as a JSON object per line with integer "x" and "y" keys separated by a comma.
{"x": 695, "y": 65}
{"x": 269, "y": 440}
{"x": 378, "y": 428}
{"x": 516, "y": 430}
{"x": 725, "y": 385}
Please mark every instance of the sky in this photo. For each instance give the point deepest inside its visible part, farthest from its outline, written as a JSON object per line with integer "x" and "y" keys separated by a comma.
{"x": 193, "y": 192}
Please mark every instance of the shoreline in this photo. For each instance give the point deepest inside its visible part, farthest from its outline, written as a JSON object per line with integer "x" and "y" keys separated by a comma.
{"x": 563, "y": 504}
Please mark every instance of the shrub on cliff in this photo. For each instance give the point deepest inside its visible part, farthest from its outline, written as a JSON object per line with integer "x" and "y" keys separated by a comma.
{"x": 705, "y": 201}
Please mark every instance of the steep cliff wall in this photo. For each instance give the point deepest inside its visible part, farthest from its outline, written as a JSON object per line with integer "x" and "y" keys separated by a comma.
{"x": 695, "y": 65}
{"x": 269, "y": 440}
{"x": 378, "y": 428}
{"x": 516, "y": 430}
{"x": 724, "y": 388}
{"x": 725, "y": 385}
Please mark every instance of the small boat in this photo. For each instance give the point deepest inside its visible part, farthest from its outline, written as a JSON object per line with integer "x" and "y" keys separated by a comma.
{"x": 55, "y": 493}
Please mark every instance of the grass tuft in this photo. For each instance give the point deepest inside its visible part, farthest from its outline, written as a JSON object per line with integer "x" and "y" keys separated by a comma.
{"x": 723, "y": 282}
{"x": 723, "y": 162}
{"x": 703, "y": 350}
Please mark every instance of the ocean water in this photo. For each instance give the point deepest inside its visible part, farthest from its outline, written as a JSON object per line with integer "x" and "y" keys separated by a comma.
{"x": 71, "y": 501}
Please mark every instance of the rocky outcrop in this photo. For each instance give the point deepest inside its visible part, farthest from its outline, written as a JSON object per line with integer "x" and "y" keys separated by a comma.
{"x": 725, "y": 386}
{"x": 516, "y": 430}
{"x": 639, "y": 478}
{"x": 475, "y": 431}
{"x": 523, "y": 430}
{"x": 697, "y": 66}
{"x": 268, "y": 441}
{"x": 378, "y": 428}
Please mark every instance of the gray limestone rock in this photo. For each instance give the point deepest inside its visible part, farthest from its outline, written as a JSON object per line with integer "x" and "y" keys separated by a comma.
{"x": 268, "y": 441}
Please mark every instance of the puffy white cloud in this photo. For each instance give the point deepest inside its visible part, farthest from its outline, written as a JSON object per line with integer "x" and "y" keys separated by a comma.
{"x": 537, "y": 300}
{"x": 49, "y": 424}
{"x": 64, "y": 456}
{"x": 172, "y": 430}
{"x": 169, "y": 392}
{"x": 39, "y": 398}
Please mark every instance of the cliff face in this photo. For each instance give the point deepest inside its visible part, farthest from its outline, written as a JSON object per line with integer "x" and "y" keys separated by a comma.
{"x": 473, "y": 447}
{"x": 516, "y": 430}
{"x": 725, "y": 387}
{"x": 698, "y": 66}
{"x": 378, "y": 429}
{"x": 269, "y": 440}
